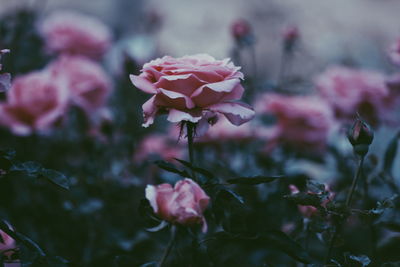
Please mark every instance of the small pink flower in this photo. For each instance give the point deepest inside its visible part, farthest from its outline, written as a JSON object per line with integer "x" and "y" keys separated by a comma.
{"x": 159, "y": 145}
{"x": 302, "y": 121}
{"x": 240, "y": 29}
{"x": 290, "y": 34}
{"x": 7, "y": 244}
{"x": 183, "y": 204}
{"x": 74, "y": 33}
{"x": 88, "y": 84}
{"x": 350, "y": 91}
{"x": 190, "y": 87}
{"x": 35, "y": 102}
{"x": 394, "y": 52}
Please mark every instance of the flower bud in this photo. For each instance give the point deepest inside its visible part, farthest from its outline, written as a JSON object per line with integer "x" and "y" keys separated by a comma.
{"x": 290, "y": 35}
{"x": 242, "y": 32}
{"x": 360, "y": 136}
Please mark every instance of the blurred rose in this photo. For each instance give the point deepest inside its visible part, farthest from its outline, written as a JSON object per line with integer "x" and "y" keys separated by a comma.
{"x": 157, "y": 145}
{"x": 290, "y": 35}
{"x": 350, "y": 91}
{"x": 184, "y": 204}
{"x": 302, "y": 121}
{"x": 242, "y": 32}
{"x": 7, "y": 244}
{"x": 35, "y": 102}
{"x": 187, "y": 88}
{"x": 394, "y": 52}
{"x": 223, "y": 131}
{"x": 74, "y": 33}
{"x": 88, "y": 84}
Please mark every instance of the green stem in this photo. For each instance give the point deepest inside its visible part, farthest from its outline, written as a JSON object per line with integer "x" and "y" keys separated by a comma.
{"x": 169, "y": 247}
{"x": 347, "y": 204}
{"x": 190, "y": 129}
{"x": 355, "y": 180}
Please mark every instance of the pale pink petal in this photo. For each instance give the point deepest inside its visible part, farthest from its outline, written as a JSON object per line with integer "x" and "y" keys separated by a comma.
{"x": 184, "y": 84}
{"x": 176, "y": 116}
{"x": 236, "y": 113}
{"x": 175, "y": 99}
{"x": 149, "y": 111}
{"x": 143, "y": 84}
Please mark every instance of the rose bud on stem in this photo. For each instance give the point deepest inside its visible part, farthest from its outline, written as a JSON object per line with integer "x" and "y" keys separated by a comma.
{"x": 360, "y": 136}
{"x": 290, "y": 37}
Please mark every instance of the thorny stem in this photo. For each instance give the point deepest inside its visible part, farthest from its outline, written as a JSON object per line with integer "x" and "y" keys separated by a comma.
{"x": 169, "y": 247}
{"x": 347, "y": 204}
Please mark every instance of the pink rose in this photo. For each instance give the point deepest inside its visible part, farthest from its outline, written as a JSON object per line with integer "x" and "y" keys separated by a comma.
{"x": 190, "y": 87}
{"x": 35, "y": 102}
{"x": 302, "y": 121}
{"x": 157, "y": 145}
{"x": 88, "y": 84}
{"x": 74, "y": 33}
{"x": 184, "y": 204}
{"x": 7, "y": 244}
{"x": 350, "y": 91}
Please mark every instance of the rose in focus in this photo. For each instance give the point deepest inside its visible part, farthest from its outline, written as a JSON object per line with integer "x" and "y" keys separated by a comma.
{"x": 182, "y": 204}
{"x": 189, "y": 88}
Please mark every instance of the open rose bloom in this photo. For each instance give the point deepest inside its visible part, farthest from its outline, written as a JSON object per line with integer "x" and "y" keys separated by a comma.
{"x": 35, "y": 102}
{"x": 192, "y": 87}
{"x": 301, "y": 121}
{"x": 89, "y": 86}
{"x": 349, "y": 91}
{"x": 182, "y": 204}
{"x": 68, "y": 32}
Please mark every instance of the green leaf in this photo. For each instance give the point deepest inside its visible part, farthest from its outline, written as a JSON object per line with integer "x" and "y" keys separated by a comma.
{"x": 30, "y": 167}
{"x": 362, "y": 259}
{"x": 55, "y": 177}
{"x": 254, "y": 180}
{"x": 390, "y": 154}
{"x": 202, "y": 171}
{"x": 228, "y": 193}
{"x": 171, "y": 168}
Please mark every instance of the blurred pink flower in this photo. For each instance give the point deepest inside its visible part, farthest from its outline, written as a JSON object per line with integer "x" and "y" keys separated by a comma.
{"x": 350, "y": 91}
{"x": 224, "y": 131}
{"x": 7, "y": 244}
{"x": 74, "y": 33}
{"x": 309, "y": 211}
{"x": 160, "y": 145}
{"x": 88, "y": 84}
{"x": 35, "y": 102}
{"x": 302, "y": 121}
{"x": 184, "y": 204}
{"x": 188, "y": 88}
{"x": 394, "y": 52}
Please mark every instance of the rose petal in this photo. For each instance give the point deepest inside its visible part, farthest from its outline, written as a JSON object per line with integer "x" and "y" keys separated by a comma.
{"x": 143, "y": 84}
{"x": 184, "y": 84}
{"x": 212, "y": 93}
{"x": 149, "y": 111}
{"x": 236, "y": 113}
{"x": 176, "y": 116}
{"x": 175, "y": 99}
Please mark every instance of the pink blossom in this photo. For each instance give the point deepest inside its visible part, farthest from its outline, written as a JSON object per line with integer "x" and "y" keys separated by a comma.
{"x": 157, "y": 144}
{"x": 240, "y": 29}
{"x": 88, "y": 84}
{"x": 74, "y": 33}
{"x": 350, "y": 91}
{"x": 188, "y": 88}
{"x": 302, "y": 121}
{"x": 183, "y": 204}
{"x": 35, "y": 102}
